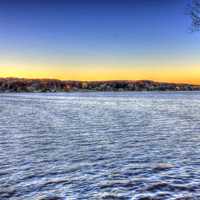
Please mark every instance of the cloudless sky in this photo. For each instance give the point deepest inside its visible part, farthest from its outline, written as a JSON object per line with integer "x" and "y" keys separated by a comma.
{"x": 98, "y": 40}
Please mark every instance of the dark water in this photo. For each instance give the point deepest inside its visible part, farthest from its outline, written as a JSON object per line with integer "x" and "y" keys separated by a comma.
{"x": 79, "y": 146}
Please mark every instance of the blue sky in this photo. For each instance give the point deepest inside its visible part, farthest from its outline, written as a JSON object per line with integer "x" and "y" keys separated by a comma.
{"x": 56, "y": 38}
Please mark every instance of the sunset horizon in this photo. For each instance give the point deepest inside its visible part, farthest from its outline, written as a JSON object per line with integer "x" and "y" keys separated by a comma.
{"x": 101, "y": 79}
{"x": 179, "y": 75}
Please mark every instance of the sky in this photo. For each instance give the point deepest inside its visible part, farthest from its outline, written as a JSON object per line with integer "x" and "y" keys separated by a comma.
{"x": 98, "y": 40}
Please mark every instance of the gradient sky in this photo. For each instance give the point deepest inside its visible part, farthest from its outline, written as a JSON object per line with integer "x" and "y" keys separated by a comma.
{"x": 98, "y": 40}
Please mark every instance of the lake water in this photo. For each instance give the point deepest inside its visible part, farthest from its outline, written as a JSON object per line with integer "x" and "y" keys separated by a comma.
{"x": 93, "y": 146}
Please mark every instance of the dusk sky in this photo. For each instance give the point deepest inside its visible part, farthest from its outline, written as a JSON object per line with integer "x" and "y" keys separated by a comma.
{"x": 98, "y": 40}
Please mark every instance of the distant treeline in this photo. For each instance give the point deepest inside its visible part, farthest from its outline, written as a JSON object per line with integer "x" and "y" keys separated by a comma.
{"x": 51, "y": 85}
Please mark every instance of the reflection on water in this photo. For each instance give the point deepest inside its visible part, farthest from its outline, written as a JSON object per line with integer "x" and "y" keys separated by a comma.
{"x": 81, "y": 146}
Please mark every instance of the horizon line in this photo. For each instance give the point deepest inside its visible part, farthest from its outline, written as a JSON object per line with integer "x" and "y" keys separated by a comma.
{"x": 107, "y": 80}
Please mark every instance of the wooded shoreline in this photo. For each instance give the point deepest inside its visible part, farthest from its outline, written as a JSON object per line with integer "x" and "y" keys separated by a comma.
{"x": 53, "y": 85}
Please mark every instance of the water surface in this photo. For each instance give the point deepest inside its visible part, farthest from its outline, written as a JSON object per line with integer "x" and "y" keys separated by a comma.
{"x": 94, "y": 146}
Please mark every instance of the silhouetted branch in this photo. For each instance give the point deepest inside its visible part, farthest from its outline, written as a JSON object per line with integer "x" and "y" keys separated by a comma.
{"x": 194, "y": 12}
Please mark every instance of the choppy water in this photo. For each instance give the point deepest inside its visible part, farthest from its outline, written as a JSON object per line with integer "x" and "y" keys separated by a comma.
{"x": 93, "y": 146}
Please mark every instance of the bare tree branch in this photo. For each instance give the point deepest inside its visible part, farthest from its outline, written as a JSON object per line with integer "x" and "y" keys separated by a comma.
{"x": 194, "y": 12}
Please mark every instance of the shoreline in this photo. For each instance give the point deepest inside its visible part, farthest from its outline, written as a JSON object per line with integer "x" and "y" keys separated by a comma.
{"x": 20, "y": 85}
{"x": 90, "y": 91}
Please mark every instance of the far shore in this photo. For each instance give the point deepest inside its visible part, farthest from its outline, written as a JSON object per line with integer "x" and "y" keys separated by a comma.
{"x": 19, "y": 85}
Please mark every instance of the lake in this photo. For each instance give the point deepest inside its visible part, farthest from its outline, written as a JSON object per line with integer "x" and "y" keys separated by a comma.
{"x": 93, "y": 146}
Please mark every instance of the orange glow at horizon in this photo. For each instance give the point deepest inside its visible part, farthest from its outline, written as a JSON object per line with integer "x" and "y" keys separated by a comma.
{"x": 176, "y": 75}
